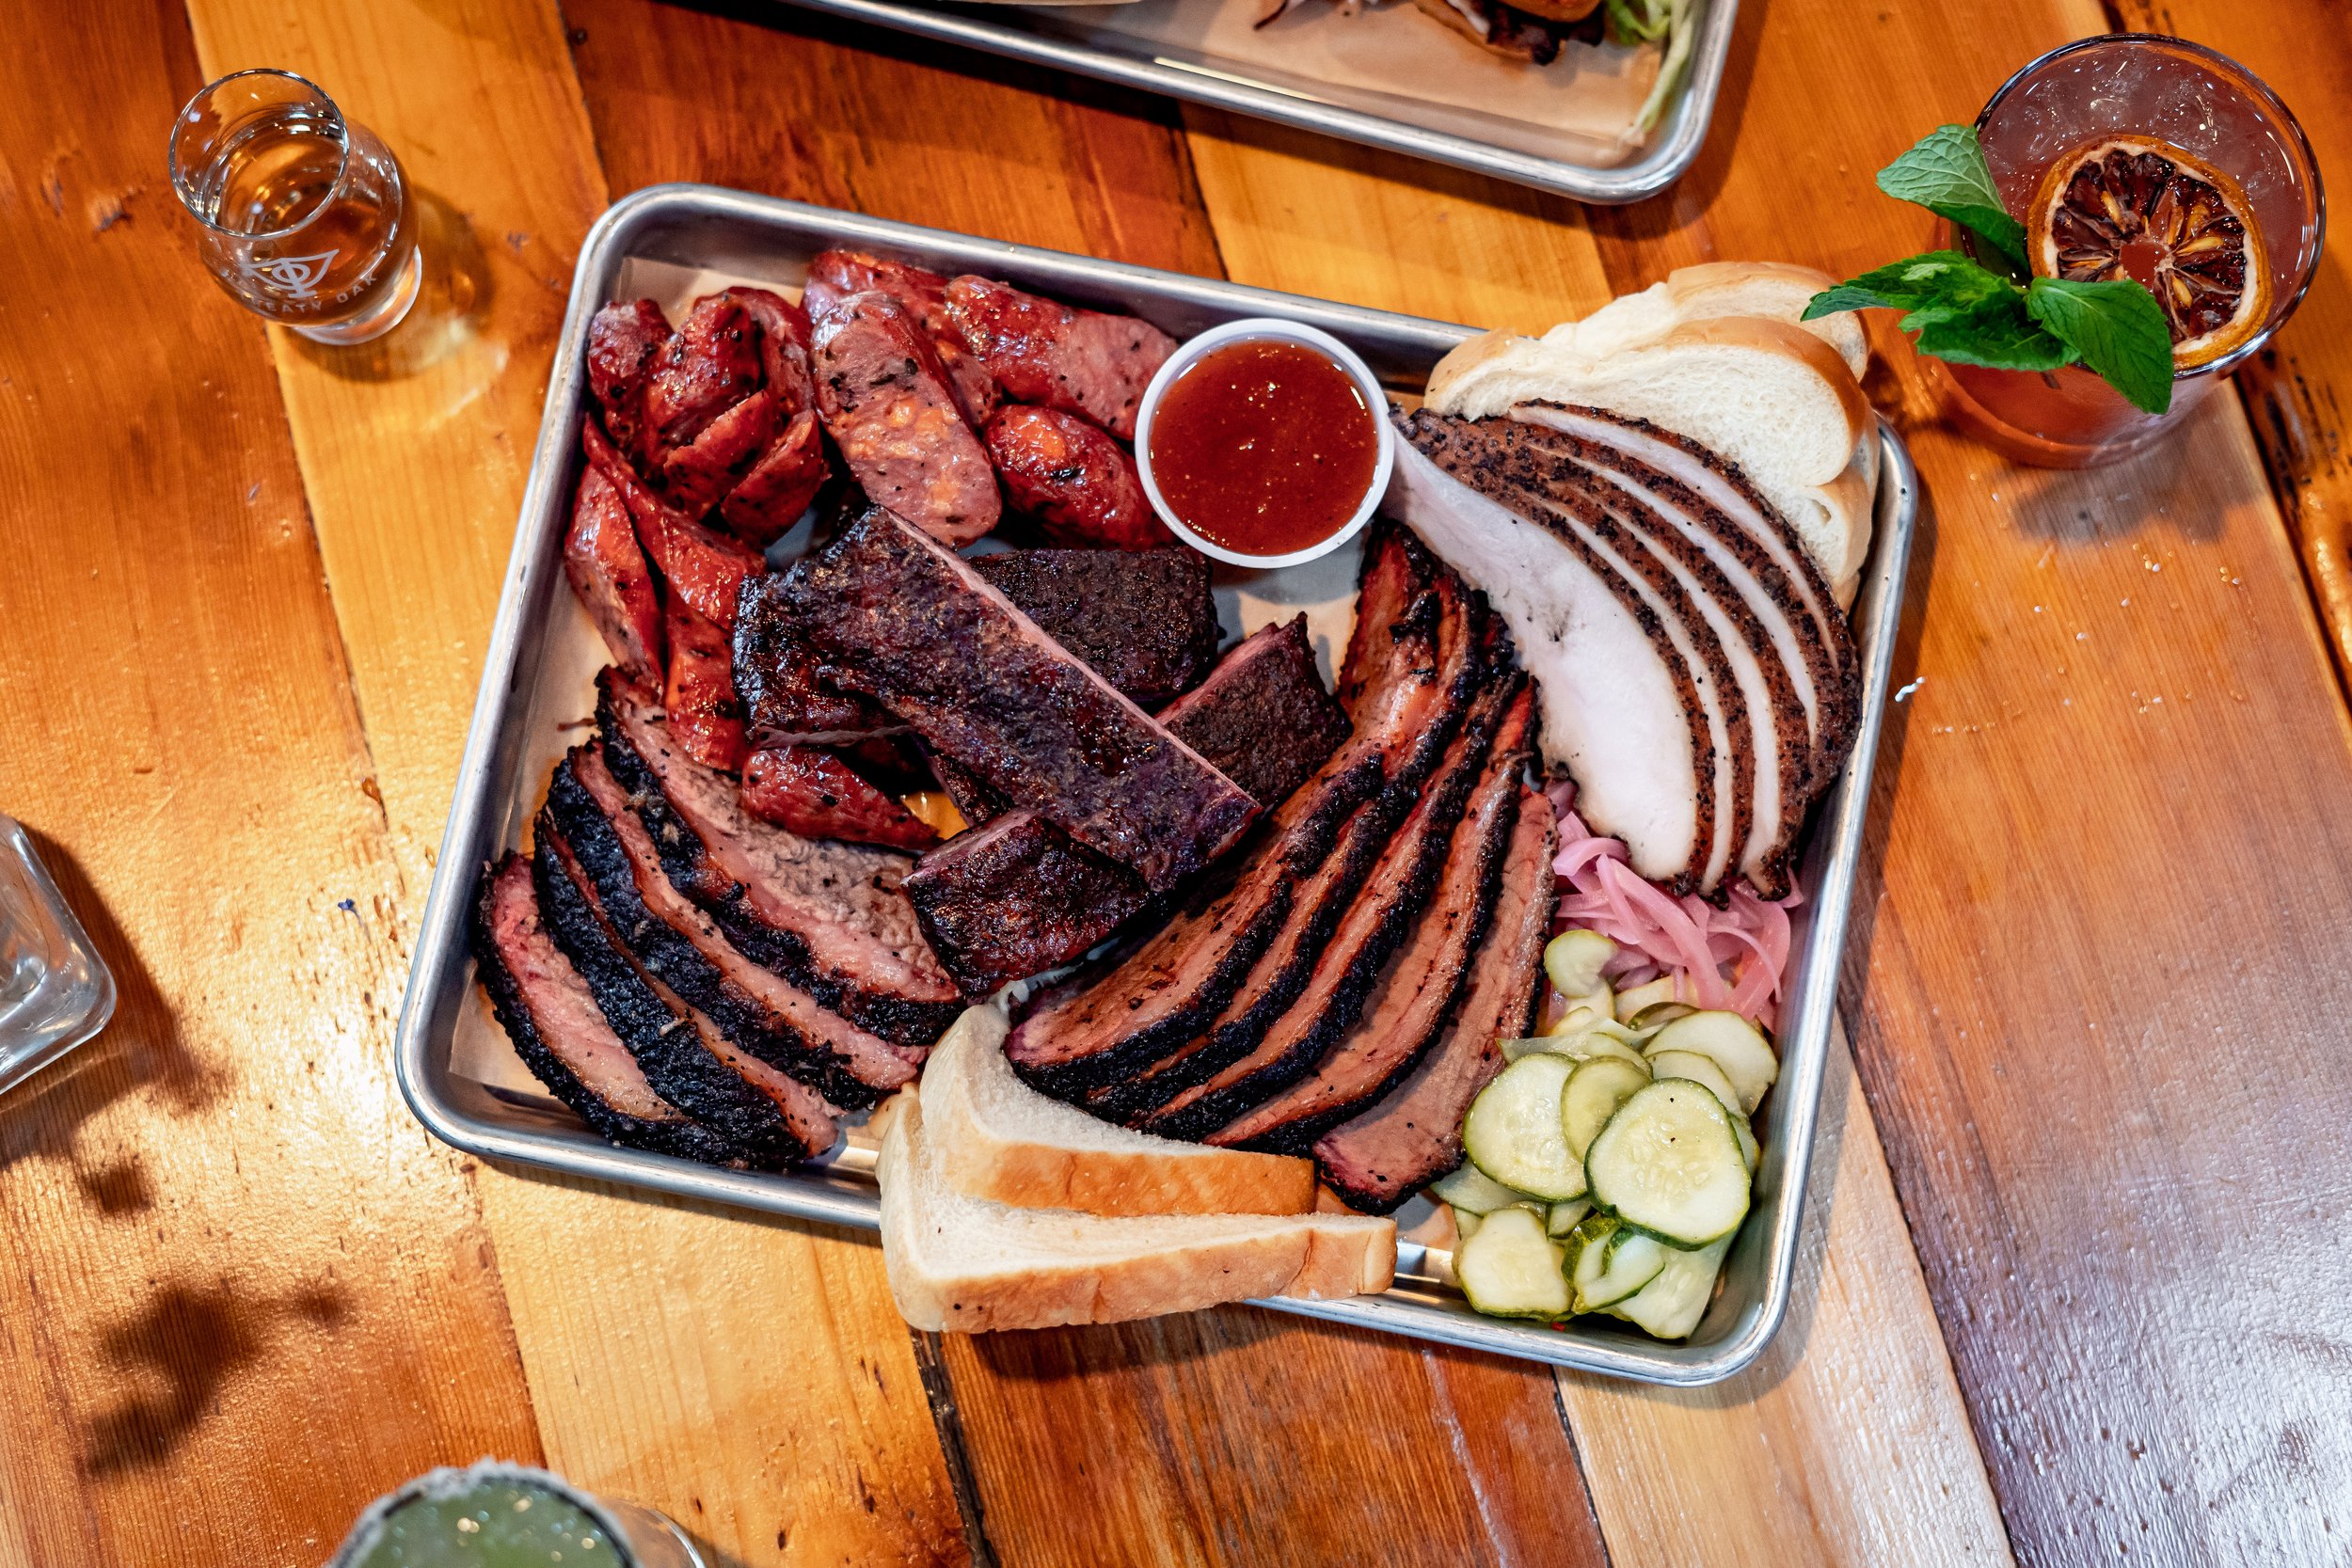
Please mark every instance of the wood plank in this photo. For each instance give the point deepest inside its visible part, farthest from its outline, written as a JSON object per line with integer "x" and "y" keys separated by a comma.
{"x": 643, "y": 1329}
{"x": 2069, "y": 832}
{"x": 2297, "y": 390}
{"x": 224, "y": 1242}
{"x": 1117, "y": 1445}
{"x": 1782, "y": 1438}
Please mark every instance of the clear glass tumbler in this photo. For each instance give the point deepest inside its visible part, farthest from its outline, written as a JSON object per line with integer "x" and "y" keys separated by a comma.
{"x": 2198, "y": 100}
{"x": 304, "y": 215}
{"x": 55, "y": 991}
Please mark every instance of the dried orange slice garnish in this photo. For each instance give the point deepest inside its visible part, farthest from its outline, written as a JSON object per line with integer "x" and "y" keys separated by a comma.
{"x": 2131, "y": 206}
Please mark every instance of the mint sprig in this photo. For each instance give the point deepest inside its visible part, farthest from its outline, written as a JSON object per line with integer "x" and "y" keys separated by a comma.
{"x": 1947, "y": 174}
{"x": 1969, "y": 314}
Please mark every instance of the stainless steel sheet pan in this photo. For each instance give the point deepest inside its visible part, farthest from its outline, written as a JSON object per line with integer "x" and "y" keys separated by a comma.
{"x": 542, "y": 653}
{"x": 1506, "y": 146}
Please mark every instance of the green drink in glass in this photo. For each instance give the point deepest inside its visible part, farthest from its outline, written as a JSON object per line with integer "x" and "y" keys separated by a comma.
{"x": 495, "y": 1515}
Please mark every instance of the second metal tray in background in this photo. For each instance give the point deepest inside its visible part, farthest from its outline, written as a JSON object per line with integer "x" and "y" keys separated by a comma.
{"x": 542, "y": 652}
{"x": 1375, "y": 119}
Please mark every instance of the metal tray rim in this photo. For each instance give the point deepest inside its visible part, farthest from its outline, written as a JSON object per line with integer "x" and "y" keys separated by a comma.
{"x": 441, "y": 958}
{"x": 1669, "y": 157}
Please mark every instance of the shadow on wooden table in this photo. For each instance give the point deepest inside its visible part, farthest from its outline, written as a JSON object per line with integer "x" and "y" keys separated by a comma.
{"x": 141, "y": 1047}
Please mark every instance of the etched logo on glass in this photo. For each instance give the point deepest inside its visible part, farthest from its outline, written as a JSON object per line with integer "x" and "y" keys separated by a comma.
{"x": 295, "y": 277}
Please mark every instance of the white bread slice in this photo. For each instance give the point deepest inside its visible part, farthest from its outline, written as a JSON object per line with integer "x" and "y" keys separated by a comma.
{"x": 967, "y": 1264}
{"x": 999, "y": 1139}
{"x": 1777, "y": 399}
{"x": 1776, "y": 289}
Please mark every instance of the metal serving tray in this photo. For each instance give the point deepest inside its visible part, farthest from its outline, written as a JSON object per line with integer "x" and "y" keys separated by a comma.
{"x": 1504, "y": 145}
{"x": 536, "y": 680}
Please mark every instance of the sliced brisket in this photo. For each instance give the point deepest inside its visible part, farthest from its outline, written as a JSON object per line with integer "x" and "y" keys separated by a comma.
{"x": 1144, "y": 620}
{"x": 675, "y": 940}
{"x": 1414, "y": 1134}
{"x": 908, "y": 623}
{"x": 1364, "y": 928}
{"x": 548, "y": 1013}
{"x": 1412, "y": 996}
{"x": 775, "y": 1119}
{"x": 828, "y": 916}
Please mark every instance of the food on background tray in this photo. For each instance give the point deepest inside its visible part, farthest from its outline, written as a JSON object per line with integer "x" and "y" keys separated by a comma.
{"x": 1264, "y": 448}
{"x": 1176, "y": 1236}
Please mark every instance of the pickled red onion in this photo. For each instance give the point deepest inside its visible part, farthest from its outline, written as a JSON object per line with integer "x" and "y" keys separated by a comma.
{"x": 1733, "y": 957}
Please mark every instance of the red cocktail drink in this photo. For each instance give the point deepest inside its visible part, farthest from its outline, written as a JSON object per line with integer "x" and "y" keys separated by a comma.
{"x": 2179, "y": 94}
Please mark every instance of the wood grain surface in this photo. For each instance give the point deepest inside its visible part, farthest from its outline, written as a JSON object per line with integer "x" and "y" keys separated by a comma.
{"x": 240, "y": 1289}
{"x": 2097, "y": 976}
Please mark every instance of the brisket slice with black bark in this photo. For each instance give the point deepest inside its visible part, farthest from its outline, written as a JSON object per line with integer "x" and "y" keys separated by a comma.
{"x": 1162, "y": 990}
{"x": 908, "y": 623}
{"x": 1412, "y": 995}
{"x": 1369, "y": 927}
{"x": 547, "y": 1012}
{"x": 828, "y": 916}
{"x": 1413, "y": 1135}
{"x": 1144, "y": 620}
{"x": 673, "y": 938}
{"x": 685, "y": 1058}
{"x": 1020, "y": 896}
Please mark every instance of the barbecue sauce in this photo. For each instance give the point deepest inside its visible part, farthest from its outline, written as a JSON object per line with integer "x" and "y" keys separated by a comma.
{"x": 1264, "y": 448}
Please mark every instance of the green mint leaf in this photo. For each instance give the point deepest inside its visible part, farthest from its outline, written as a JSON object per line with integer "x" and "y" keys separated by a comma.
{"x": 1962, "y": 311}
{"x": 1937, "y": 278}
{"x": 2117, "y": 328}
{"x": 2000, "y": 337}
{"x": 1947, "y": 174}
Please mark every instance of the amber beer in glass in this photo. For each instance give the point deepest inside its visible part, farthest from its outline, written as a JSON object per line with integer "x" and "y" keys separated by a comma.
{"x": 304, "y": 217}
{"x": 2200, "y": 102}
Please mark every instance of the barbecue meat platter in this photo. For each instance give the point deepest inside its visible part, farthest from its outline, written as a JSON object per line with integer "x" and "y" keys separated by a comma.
{"x": 917, "y": 721}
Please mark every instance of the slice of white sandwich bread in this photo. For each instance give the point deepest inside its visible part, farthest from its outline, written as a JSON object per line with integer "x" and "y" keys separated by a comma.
{"x": 997, "y": 1138}
{"x": 973, "y": 1265}
{"x": 1716, "y": 354}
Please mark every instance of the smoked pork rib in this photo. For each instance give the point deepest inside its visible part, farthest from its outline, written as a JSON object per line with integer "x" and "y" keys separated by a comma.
{"x": 673, "y": 938}
{"x": 1413, "y": 1134}
{"x": 1373, "y": 924}
{"x": 828, "y": 916}
{"x": 1018, "y": 896}
{"x": 1121, "y": 1015}
{"x": 683, "y": 1055}
{"x": 562, "y": 1037}
{"x": 1410, "y": 998}
{"x": 786, "y": 700}
{"x": 912, "y": 625}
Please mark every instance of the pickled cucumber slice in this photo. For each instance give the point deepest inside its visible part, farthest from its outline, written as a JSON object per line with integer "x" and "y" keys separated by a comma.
{"x": 1597, "y": 1087}
{"x": 1564, "y": 1217}
{"x": 1471, "y": 1191}
{"x": 1573, "y": 961}
{"x": 1513, "y": 1130}
{"x": 1671, "y": 1305}
{"x": 1608, "y": 1261}
{"x": 1669, "y": 1162}
{"x": 1733, "y": 1044}
{"x": 1510, "y": 1269}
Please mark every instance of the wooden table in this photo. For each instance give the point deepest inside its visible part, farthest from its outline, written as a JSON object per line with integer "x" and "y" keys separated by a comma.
{"x": 2075, "y": 1279}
